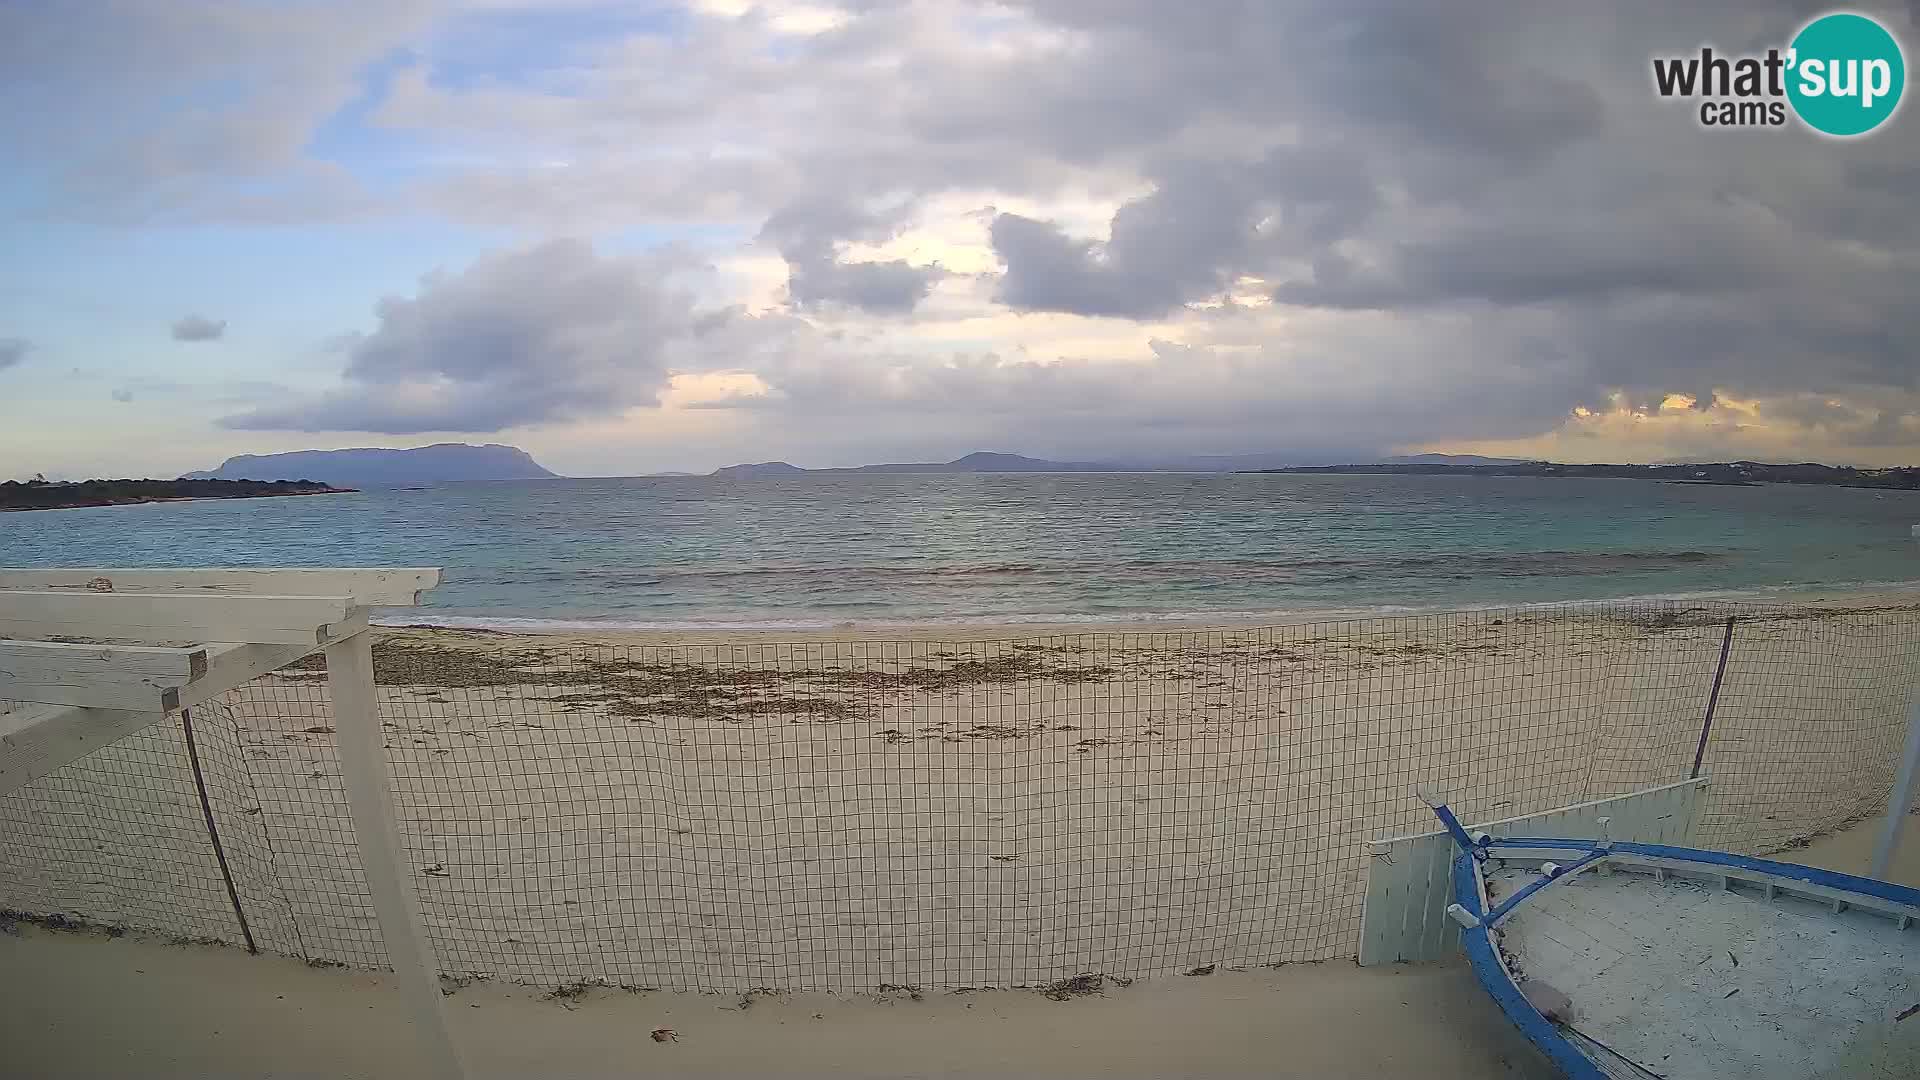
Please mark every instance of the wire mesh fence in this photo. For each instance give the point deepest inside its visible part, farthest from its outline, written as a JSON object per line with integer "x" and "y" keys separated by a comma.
{"x": 843, "y": 815}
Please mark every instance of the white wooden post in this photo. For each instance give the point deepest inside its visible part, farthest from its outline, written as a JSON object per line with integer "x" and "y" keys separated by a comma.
{"x": 369, "y": 789}
{"x": 1900, "y": 806}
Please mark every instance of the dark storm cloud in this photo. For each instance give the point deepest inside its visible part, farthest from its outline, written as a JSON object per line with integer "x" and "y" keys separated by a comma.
{"x": 1176, "y": 245}
{"x": 1440, "y": 74}
{"x": 1205, "y": 222}
{"x": 199, "y": 328}
{"x": 1501, "y": 166}
{"x": 889, "y": 287}
{"x": 546, "y": 333}
{"x": 807, "y": 234}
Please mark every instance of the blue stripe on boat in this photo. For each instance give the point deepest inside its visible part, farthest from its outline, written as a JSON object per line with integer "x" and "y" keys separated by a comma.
{"x": 1493, "y": 976}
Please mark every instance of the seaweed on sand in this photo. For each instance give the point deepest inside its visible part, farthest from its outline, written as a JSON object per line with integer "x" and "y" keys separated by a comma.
{"x": 642, "y": 690}
{"x": 1084, "y": 984}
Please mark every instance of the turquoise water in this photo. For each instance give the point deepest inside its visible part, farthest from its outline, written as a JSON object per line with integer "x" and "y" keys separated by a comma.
{"x": 824, "y": 550}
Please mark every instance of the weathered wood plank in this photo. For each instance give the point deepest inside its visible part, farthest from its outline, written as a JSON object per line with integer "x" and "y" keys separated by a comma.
{"x": 171, "y": 617}
{"x": 1388, "y": 880}
{"x": 232, "y": 664}
{"x": 381, "y": 586}
{"x": 1439, "y": 935}
{"x": 37, "y": 739}
{"x": 105, "y": 689}
{"x": 1410, "y": 880}
{"x": 24, "y": 658}
{"x": 369, "y": 787}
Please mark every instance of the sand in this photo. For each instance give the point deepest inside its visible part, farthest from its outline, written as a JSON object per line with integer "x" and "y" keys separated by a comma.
{"x": 83, "y": 1005}
{"x": 957, "y": 809}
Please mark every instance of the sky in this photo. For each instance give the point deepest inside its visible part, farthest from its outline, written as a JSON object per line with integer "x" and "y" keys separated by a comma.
{"x": 640, "y": 237}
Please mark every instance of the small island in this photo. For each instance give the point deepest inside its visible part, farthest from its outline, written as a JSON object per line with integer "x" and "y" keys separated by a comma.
{"x": 50, "y": 495}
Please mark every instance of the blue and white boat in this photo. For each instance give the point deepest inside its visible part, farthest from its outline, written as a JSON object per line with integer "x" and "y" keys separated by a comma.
{"x": 1650, "y": 962}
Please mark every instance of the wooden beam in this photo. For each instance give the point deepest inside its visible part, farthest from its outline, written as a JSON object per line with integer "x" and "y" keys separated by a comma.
{"x": 171, "y": 617}
{"x": 18, "y": 656}
{"x": 232, "y": 664}
{"x": 381, "y": 586}
{"x": 106, "y": 689}
{"x": 369, "y": 787}
{"x": 37, "y": 739}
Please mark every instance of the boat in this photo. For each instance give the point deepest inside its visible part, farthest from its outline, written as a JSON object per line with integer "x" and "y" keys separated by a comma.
{"x": 1625, "y": 961}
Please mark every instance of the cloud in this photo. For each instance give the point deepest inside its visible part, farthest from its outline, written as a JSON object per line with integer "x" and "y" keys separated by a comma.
{"x": 1206, "y": 228}
{"x": 1184, "y": 242}
{"x": 807, "y": 235}
{"x": 200, "y": 111}
{"x": 547, "y": 333}
{"x": 13, "y": 351}
{"x": 199, "y": 328}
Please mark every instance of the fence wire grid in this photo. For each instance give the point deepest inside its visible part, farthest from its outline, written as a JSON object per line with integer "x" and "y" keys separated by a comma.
{"x": 842, "y": 815}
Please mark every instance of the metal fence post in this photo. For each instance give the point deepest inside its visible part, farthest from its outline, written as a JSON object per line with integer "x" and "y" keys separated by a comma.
{"x": 1713, "y": 700}
{"x": 1900, "y": 805}
{"x": 213, "y": 832}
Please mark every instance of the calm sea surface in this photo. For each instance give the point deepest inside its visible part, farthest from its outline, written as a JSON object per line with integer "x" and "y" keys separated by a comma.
{"x": 823, "y": 550}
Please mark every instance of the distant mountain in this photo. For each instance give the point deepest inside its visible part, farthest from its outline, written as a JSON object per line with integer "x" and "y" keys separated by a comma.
{"x": 1448, "y": 459}
{"x": 988, "y": 462}
{"x": 1273, "y": 459}
{"x": 762, "y": 468}
{"x": 980, "y": 461}
{"x": 371, "y": 467}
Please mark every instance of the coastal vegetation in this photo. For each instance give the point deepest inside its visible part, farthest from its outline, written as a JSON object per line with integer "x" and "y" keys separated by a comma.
{"x": 1737, "y": 473}
{"x": 47, "y": 495}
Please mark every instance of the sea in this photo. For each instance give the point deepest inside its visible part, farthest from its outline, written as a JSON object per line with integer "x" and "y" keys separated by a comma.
{"x": 826, "y": 550}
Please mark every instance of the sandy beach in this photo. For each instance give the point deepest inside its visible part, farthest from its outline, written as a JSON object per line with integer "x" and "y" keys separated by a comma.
{"x": 953, "y": 809}
{"x": 197, "y": 1011}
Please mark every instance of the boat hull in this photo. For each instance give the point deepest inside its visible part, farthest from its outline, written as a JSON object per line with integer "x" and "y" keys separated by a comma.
{"x": 1682, "y": 963}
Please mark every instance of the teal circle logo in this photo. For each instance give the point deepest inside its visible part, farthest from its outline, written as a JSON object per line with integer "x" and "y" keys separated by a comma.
{"x": 1845, "y": 74}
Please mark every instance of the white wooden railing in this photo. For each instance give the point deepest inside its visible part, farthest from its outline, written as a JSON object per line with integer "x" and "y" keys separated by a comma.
{"x": 88, "y": 656}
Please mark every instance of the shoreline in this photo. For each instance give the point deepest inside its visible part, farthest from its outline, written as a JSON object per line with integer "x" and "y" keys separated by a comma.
{"x": 144, "y": 500}
{"x": 420, "y": 624}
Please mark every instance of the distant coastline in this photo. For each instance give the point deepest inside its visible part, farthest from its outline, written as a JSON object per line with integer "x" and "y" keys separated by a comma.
{"x": 1716, "y": 474}
{"x": 987, "y": 461}
{"x": 52, "y": 496}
